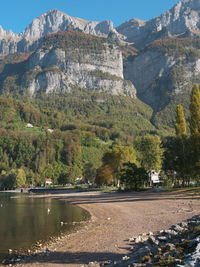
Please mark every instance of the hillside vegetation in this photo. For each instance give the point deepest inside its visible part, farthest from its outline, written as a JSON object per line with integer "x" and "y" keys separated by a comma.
{"x": 82, "y": 109}
{"x": 69, "y": 133}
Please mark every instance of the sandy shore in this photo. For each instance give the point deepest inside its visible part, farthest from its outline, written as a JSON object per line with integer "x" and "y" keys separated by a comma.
{"x": 115, "y": 218}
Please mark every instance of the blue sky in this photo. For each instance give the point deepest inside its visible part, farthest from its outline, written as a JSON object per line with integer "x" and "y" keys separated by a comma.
{"x": 17, "y": 14}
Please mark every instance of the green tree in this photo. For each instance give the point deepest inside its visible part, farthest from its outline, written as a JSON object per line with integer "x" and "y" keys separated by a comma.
{"x": 178, "y": 160}
{"x": 20, "y": 177}
{"x": 150, "y": 153}
{"x": 180, "y": 125}
{"x": 181, "y": 144}
{"x": 64, "y": 178}
{"x": 74, "y": 173}
{"x": 195, "y": 110}
{"x": 8, "y": 179}
{"x": 89, "y": 172}
{"x": 133, "y": 177}
{"x": 195, "y": 130}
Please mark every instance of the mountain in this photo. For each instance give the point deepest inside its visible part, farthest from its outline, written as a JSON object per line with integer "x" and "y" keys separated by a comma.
{"x": 67, "y": 60}
{"x": 183, "y": 20}
{"x": 166, "y": 64}
{"x": 55, "y": 20}
{"x": 164, "y": 68}
{"x": 70, "y": 88}
{"x": 50, "y": 22}
{"x": 157, "y": 60}
{"x": 164, "y": 73}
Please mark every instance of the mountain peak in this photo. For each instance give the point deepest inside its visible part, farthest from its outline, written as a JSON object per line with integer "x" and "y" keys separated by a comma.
{"x": 193, "y": 4}
{"x": 7, "y": 34}
{"x": 182, "y": 19}
{"x": 55, "y": 20}
{"x": 55, "y": 12}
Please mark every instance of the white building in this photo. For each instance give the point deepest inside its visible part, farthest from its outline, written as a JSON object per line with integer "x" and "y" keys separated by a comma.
{"x": 29, "y": 125}
{"x": 48, "y": 182}
{"x": 155, "y": 177}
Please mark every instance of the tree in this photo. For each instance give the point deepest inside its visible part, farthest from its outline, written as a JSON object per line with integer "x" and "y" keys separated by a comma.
{"x": 195, "y": 128}
{"x": 180, "y": 125}
{"x": 64, "y": 178}
{"x": 181, "y": 144}
{"x": 116, "y": 157}
{"x": 178, "y": 160}
{"x": 150, "y": 153}
{"x": 72, "y": 149}
{"x": 20, "y": 177}
{"x": 7, "y": 179}
{"x": 74, "y": 173}
{"x": 89, "y": 172}
{"x": 132, "y": 176}
{"x": 104, "y": 175}
{"x": 195, "y": 111}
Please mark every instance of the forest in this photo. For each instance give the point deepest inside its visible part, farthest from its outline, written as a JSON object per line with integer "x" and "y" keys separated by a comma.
{"x": 67, "y": 138}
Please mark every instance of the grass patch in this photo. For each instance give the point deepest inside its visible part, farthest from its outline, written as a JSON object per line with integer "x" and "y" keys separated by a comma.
{"x": 34, "y": 130}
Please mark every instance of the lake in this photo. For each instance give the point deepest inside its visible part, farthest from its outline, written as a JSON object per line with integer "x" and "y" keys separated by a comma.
{"x": 26, "y": 220}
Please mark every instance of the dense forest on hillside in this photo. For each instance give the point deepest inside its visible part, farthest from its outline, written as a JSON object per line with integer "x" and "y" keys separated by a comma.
{"x": 91, "y": 136}
{"x": 54, "y": 134}
{"x": 81, "y": 109}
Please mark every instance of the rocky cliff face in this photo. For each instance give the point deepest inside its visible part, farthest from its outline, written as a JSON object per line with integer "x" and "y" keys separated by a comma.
{"x": 167, "y": 62}
{"x": 183, "y": 20}
{"x": 8, "y": 41}
{"x": 75, "y": 60}
{"x": 164, "y": 69}
{"x": 144, "y": 70}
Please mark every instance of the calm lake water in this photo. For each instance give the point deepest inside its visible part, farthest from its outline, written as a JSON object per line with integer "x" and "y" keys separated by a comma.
{"x": 25, "y": 220}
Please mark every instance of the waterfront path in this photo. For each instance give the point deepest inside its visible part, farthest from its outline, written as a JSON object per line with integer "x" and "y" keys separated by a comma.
{"x": 115, "y": 218}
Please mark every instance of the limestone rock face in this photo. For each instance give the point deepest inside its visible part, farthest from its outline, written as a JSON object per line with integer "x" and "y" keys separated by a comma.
{"x": 61, "y": 70}
{"x": 159, "y": 75}
{"x": 6, "y": 34}
{"x": 182, "y": 19}
{"x": 8, "y": 41}
{"x": 108, "y": 61}
{"x": 144, "y": 70}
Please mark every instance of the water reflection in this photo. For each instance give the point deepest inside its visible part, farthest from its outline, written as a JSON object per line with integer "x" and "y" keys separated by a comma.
{"x": 24, "y": 221}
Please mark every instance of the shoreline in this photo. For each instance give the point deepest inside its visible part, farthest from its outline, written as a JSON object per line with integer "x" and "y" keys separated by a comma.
{"x": 114, "y": 219}
{"x": 41, "y": 246}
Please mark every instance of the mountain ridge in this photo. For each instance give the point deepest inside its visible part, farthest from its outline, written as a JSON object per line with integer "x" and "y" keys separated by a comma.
{"x": 182, "y": 18}
{"x": 50, "y": 22}
{"x": 161, "y": 57}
